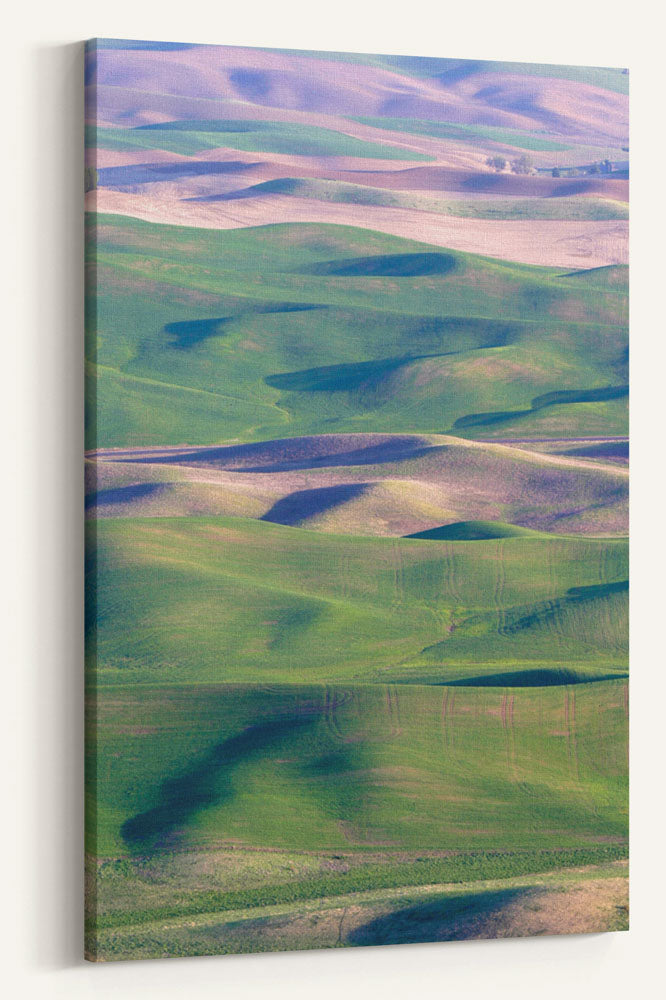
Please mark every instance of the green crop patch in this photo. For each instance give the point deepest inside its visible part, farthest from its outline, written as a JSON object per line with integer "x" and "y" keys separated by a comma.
{"x": 324, "y": 329}
{"x": 191, "y": 138}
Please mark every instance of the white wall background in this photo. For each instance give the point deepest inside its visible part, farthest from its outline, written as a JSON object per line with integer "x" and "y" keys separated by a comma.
{"x": 40, "y": 360}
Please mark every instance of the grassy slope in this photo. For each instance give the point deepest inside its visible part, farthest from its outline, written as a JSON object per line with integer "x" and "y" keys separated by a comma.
{"x": 209, "y": 600}
{"x": 327, "y": 328}
{"x": 359, "y": 769}
{"x": 455, "y": 130}
{"x": 190, "y": 138}
{"x": 564, "y": 901}
{"x": 572, "y": 209}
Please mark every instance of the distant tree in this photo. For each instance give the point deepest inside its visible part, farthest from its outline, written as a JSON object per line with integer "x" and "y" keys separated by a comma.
{"x": 496, "y": 163}
{"x": 594, "y": 168}
{"x": 90, "y": 179}
{"x": 557, "y": 172}
{"x": 523, "y": 165}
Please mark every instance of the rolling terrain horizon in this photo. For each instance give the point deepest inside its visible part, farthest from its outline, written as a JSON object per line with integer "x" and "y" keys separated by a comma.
{"x": 356, "y": 500}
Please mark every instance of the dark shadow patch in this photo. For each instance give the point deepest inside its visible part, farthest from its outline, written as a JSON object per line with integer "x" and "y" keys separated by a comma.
{"x": 446, "y": 918}
{"x": 533, "y": 678}
{"x": 297, "y": 454}
{"x": 485, "y": 183}
{"x": 282, "y": 185}
{"x": 556, "y": 398}
{"x": 122, "y": 494}
{"x": 189, "y": 333}
{"x": 207, "y": 783}
{"x": 192, "y": 332}
{"x": 606, "y": 276}
{"x": 134, "y": 174}
{"x": 460, "y": 71}
{"x": 591, "y": 593}
{"x": 473, "y": 531}
{"x": 397, "y": 265}
{"x": 336, "y": 378}
{"x": 571, "y": 188}
{"x": 252, "y": 83}
{"x": 525, "y": 618}
{"x": 467, "y": 335}
{"x": 302, "y": 504}
{"x": 546, "y": 611}
{"x": 612, "y": 450}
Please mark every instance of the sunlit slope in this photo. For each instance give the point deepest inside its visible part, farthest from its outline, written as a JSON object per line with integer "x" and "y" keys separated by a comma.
{"x": 589, "y": 208}
{"x": 375, "y": 767}
{"x": 226, "y": 599}
{"x": 365, "y": 484}
{"x": 327, "y": 329}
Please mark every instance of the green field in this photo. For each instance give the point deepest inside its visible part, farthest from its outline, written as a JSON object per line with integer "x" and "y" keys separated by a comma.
{"x": 456, "y": 131}
{"x": 572, "y": 209}
{"x": 216, "y": 600}
{"x": 190, "y": 138}
{"x": 355, "y": 788}
{"x": 304, "y": 730}
{"x": 278, "y": 331}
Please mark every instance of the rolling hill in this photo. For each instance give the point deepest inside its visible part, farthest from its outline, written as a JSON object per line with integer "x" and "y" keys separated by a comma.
{"x": 366, "y": 484}
{"x": 219, "y": 600}
{"x": 356, "y": 539}
{"x": 325, "y": 329}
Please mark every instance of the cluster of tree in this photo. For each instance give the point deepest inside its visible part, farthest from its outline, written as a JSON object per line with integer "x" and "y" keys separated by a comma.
{"x": 496, "y": 163}
{"x": 604, "y": 167}
{"x": 523, "y": 165}
{"x": 90, "y": 179}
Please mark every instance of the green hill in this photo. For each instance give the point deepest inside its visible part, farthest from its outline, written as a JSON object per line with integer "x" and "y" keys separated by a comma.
{"x": 213, "y": 600}
{"x": 287, "y": 138}
{"x": 325, "y": 329}
{"x": 320, "y": 768}
{"x": 573, "y": 209}
{"x": 474, "y": 531}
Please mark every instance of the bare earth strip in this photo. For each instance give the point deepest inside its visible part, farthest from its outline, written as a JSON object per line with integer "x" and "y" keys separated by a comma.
{"x": 578, "y": 901}
{"x": 553, "y": 243}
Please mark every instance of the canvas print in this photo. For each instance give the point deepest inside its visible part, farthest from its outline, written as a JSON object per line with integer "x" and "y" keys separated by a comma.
{"x": 357, "y": 452}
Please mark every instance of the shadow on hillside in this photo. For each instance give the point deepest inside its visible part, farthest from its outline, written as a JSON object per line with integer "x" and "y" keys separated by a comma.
{"x": 446, "y": 918}
{"x": 308, "y": 503}
{"x": 207, "y": 783}
{"x": 612, "y": 450}
{"x": 189, "y": 333}
{"x": 533, "y": 678}
{"x": 153, "y": 173}
{"x": 122, "y": 494}
{"x": 285, "y": 454}
{"x": 394, "y": 265}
